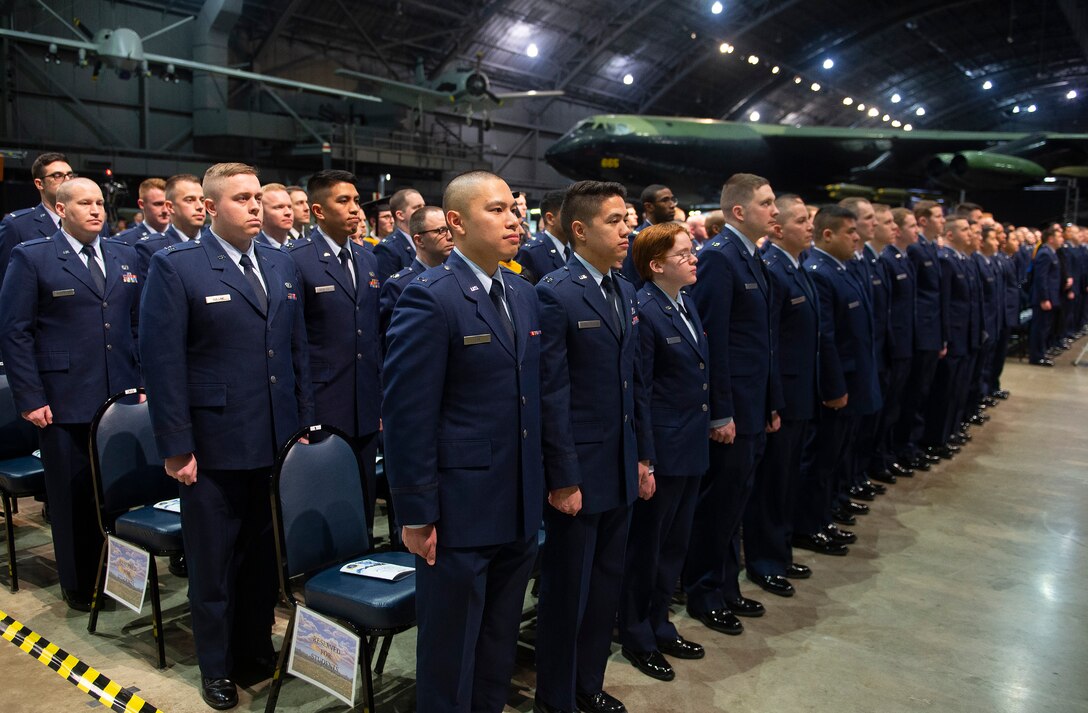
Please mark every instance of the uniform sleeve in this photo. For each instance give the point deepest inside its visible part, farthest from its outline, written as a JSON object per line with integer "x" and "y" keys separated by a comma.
{"x": 644, "y": 374}
{"x": 713, "y": 295}
{"x": 9, "y": 238}
{"x": 779, "y": 294}
{"x": 415, "y": 374}
{"x": 164, "y": 312}
{"x": 18, "y": 321}
{"x": 832, "y": 379}
{"x": 560, "y": 458}
{"x": 300, "y": 355}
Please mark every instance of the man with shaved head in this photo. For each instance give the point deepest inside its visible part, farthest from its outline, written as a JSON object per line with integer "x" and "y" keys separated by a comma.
{"x": 68, "y": 311}
{"x": 464, "y": 463}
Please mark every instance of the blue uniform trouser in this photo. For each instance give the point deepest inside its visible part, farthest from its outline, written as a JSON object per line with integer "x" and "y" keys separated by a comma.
{"x": 768, "y": 519}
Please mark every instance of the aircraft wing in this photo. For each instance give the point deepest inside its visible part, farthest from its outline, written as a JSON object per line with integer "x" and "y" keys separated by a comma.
{"x": 48, "y": 40}
{"x": 531, "y": 94}
{"x": 403, "y": 93}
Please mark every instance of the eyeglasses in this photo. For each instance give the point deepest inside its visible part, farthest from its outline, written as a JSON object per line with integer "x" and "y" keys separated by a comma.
{"x": 58, "y": 176}
{"x": 686, "y": 256}
{"x": 442, "y": 232}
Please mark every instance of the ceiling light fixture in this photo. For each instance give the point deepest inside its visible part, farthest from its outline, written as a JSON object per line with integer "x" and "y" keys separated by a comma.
{"x": 815, "y": 86}
{"x": 896, "y": 98}
{"x": 829, "y": 63}
{"x": 716, "y": 8}
{"x": 847, "y": 101}
{"x": 920, "y": 111}
{"x": 628, "y": 79}
{"x": 532, "y": 50}
{"x": 987, "y": 85}
{"x": 754, "y": 116}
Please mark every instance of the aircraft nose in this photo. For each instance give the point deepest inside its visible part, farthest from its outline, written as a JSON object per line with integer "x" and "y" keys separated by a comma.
{"x": 566, "y": 155}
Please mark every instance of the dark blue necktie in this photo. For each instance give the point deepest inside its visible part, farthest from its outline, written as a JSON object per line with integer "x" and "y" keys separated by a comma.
{"x": 254, "y": 282}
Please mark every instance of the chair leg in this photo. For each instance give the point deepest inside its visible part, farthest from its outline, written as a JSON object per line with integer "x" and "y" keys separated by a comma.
{"x": 156, "y": 610}
{"x": 13, "y": 567}
{"x": 15, "y": 506}
{"x": 368, "y": 679}
{"x": 281, "y": 665}
{"x": 379, "y": 667}
{"x": 99, "y": 587}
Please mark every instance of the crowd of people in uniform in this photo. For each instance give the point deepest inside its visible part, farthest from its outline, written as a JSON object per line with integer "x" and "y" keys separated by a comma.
{"x": 673, "y": 400}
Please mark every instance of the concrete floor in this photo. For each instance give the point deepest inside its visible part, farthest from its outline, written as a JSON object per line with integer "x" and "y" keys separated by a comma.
{"x": 966, "y": 592}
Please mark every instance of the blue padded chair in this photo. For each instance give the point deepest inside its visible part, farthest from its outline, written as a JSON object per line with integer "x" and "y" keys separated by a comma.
{"x": 21, "y": 473}
{"x": 128, "y": 480}
{"x": 319, "y": 521}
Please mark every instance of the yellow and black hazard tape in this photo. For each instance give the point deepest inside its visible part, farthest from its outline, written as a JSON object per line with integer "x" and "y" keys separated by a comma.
{"x": 95, "y": 684}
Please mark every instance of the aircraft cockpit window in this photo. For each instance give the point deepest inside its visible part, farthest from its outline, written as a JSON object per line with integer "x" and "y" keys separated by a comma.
{"x": 621, "y": 129}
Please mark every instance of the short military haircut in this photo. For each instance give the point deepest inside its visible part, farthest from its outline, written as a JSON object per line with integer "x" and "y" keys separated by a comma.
{"x": 399, "y": 200}
{"x": 458, "y": 191}
{"x": 552, "y": 201}
{"x": 831, "y": 217}
{"x": 322, "y": 182}
{"x": 173, "y": 181}
{"x": 987, "y": 230}
{"x": 216, "y": 174}
{"x": 585, "y": 198}
{"x": 151, "y": 184}
{"x": 922, "y": 209}
{"x": 853, "y": 202}
{"x": 1049, "y": 232}
{"x": 881, "y": 208}
{"x": 787, "y": 200}
{"x": 273, "y": 187}
{"x": 740, "y": 189}
{"x": 295, "y": 189}
{"x": 900, "y": 215}
{"x": 964, "y": 210}
{"x": 654, "y": 243}
{"x": 37, "y": 169}
{"x": 419, "y": 218}
{"x": 649, "y": 193}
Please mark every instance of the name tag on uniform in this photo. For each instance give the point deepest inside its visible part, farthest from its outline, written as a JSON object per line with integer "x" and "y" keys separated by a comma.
{"x": 877, "y": 282}
{"x": 961, "y": 277}
{"x": 751, "y": 286}
{"x": 672, "y": 340}
{"x": 798, "y": 300}
{"x": 63, "y": 293}
{"x": 212, "y": 299}
{"x": 928, "y": 263}
{"x": 901, "y": 276}
{"x": 477, "y": 339}
{"x": 324, "y": 288}
{"x": 853, "y": 305}
{"x": 589, "y": 324}
{"x": 989, "y": 279}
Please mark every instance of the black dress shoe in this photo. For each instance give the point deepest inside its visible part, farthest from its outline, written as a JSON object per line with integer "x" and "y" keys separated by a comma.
{"x": 76, "y": 601}
{"x": 978, "y": 419}
{"x": 1001, "y": 394}
{"x": 598, "y": 703}
{"x": 840, "y": 537}
{"x": 953, "y": 447}
{"x": 681, "y": 648}
{"x": 856, "y": 508}
{"x": 861, "y": 493}
{"x": 900, "y": 471}
{"x": 745, "y": 607}
{"x": 1041, "y": 362}
{"x": 884, "y": 476}
{"x": 819, "y": 543}
{"x": 722, "y": 621}
{"x": 957, "y": 439}
{"x": 540, "y": 706}
{"x": 877, "y": 488}
{"x": 941, "y": 451}
{"x": 219, "y": 693}
{"x": 841, "y": 516}
{"x": 798, "y": 571}
{"x": 178, "y": 568}
{"x": 651, "y": 663}
{"x": 921, "y": 464}
{"x": 989, "y": 401}
{"x": 773, "y": 583}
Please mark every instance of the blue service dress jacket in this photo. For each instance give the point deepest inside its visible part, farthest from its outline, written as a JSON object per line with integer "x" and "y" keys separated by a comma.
{"x": 674, "y": 365}
{"x": 901, "y": 316}
{"x": 394, "y": 252}
{"x": 65, "y": 343}
{"x": 594, "y": 399}
{"x": 539, "y": 257}
{"x": 960, "y": 293}
{"x": 22, "y": 226}
{"x": 342, "y": 327}
{"x": 390, "y": 293}
{"x": 928, "y": 331}
{"x": 462, "y": 408}
{"x": 225, "y": 379}
{"x": 795, "y": 319}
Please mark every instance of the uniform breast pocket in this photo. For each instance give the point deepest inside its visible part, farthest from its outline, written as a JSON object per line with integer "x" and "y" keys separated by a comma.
{"x": 466, "y": 454}
{"x": 207, "y": 395}
{"x": 52, "y": 361}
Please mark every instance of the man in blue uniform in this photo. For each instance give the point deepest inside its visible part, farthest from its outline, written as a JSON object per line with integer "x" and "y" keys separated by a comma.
{"x": 68, "y": 311}
{"x": 658, "y": 206}
{"x": 152, "y": 203}
{"x": 596, "y": 458}
{"x": 795, "y": 322}
{"x": 340, "y": 295}
{"x": 50, "y": 171}
{"x": 734, "y": 294}
{"x": 464, "y": 462}
{"x": 185, "y": 201}
{"x": 1010, "y": 320}
{"x": 1045, "y": 295}
{"x": 396, "y": 250}
{"x": 900, "y": 340}
{"x": 277, "y": 216}
{"x": 225, "y": 353}
{"x": 549, "y": 250}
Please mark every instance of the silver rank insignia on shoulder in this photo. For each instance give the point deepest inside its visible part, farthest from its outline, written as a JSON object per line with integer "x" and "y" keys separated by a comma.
{"x": 444, "y": 267}
{"x": 325, "y": 255}
{"x": 421, "y": 278}
{"x": 372, "y": 274}
{"x": 583, "y": 277}
{"x": 474, "y": 288}
{"x": 67, "y": 252}
{"x": 221, "y": 257}
{"x": 395, "y": 276}
{"x": 287, "y": 285}
{"x": 716, "y": 243}
{"x": 552, "y": 251}
{"x": 668, "y": 308}
{"x": 146, "y": 237}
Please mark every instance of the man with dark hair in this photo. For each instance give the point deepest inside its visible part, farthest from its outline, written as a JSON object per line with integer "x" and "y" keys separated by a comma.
{"x": 50, "y": 171}
{"x": 658, "y": 205}
{"x": 397, "y": 250}
{"x": 63, "y": 360}
{"x": 341, "y": 311}
{"x": 549, "y": 250}
{"x": 848, "y": 379}
{"x": 596, "y": 455}
{"x": 993, "y": 312}
{"x": 1045, "y": 294}
{"x": 152, "y": 203}
{"x": 1010, "y": 282}
{"x": 929, "y": 331}
{"x": 464, "y": 462}
{"x": 971, "y": 211}
{"x": 185, "y": 203}
{"x": 733, "y": 294}
{"x": 300, "y": 205}
{"x": 223, "y": 345}
{"x": 900, "y": 340}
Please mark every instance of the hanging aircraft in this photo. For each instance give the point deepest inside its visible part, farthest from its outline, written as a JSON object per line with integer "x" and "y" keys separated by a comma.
{"x": 694, "y": 156}
{"x": 465, "y": 91}
{"x": 122, "y": 50}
